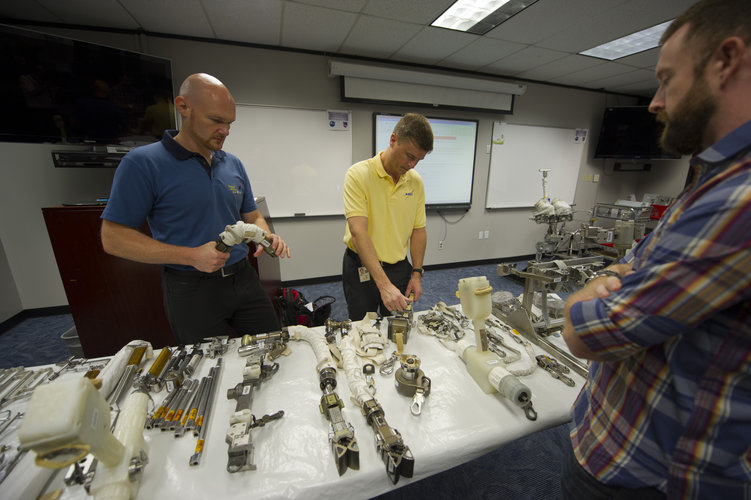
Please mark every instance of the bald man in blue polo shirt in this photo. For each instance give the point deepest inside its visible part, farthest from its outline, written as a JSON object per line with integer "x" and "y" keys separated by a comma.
{"x": 188, "y": 190}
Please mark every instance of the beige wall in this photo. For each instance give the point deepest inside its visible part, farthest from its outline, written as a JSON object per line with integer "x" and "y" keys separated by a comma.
{"x": 259, "y": 76}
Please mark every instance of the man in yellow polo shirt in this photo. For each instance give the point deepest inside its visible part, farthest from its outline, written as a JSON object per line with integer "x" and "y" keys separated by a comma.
{"x": 384, "y": 203}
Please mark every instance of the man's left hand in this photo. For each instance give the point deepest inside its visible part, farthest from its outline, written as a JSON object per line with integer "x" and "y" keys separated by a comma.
{"x": 277, "y": 244}
{"x": 414, "y": 286}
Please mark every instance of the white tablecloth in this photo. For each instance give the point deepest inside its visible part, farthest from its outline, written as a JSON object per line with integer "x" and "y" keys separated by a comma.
{"x": 293, "y": 455}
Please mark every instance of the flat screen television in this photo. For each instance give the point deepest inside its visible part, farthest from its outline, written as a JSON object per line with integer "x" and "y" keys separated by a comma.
{"x": 630, "y": 132}
{"x": 63, "y": 91}
{"x": 448, "y": 171}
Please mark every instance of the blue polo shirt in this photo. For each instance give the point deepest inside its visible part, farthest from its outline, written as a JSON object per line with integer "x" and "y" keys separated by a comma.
{"x": 185, "y": 201}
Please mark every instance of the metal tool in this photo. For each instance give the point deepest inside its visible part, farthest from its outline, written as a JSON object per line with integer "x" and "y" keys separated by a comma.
{"x": 400, "y": 324}
{"x": 332, "y": 327}
{"x": 394, "y": 453}
{"x": 199, "y": 405}
{"x": 10, "y": 420}
{"x": 388, "y": 366}
{"x": 210, "y": 391}
{"x": 191, "y": 410}
{"x": 242, "y": 421}
{"x": 172, "y": 420}
{"x": 243, "y": 231}
{"x": 342, "y": 435}
{"x": 67, "y": 363}
{"x": 411, "y": 381}
{"x": 556, "y": 369}
{"x": 25, "y": 389}
{"x": 149, "y": 382}
{"x": 217, "y": 346}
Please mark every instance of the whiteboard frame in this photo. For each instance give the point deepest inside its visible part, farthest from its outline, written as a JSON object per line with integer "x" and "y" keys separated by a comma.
{"x": 517, "y": 154}
{"x": 292, "y": 158}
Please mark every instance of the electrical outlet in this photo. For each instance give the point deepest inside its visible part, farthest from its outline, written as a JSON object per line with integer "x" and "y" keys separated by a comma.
{"x": 440, "y": 245}
{"x": 479, "y": 236}
{"x": 487, "y": 234}
{"x": 596, "y": 178}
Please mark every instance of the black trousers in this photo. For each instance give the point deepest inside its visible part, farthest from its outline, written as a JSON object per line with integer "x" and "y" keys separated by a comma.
{"x": 363, "y": 296}
{"x": 578, "y": 484}
{"x": 200, "y": 305}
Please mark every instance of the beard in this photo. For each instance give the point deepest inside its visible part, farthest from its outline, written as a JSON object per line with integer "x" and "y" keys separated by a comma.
{"x": 686, "y": 125}
{"x": 214, "y": 143}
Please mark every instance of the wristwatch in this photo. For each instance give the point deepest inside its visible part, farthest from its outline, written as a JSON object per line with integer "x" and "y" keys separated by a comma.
{"x": 603, "y": 272}
{"x": 418, "y": 270}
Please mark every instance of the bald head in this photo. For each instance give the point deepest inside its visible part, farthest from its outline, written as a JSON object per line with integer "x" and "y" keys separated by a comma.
{"x": 207, "y": 109}
{"x": 199, "y": 86}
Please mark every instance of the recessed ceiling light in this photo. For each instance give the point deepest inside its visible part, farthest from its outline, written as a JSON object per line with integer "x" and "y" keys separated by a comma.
{"x": 630, "y": 44}
{"x": 479, "y": 16}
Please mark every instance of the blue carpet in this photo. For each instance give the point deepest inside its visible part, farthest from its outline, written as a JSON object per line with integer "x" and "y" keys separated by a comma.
{"x": 526, "y": 469}
{"x": 36, "y": 341}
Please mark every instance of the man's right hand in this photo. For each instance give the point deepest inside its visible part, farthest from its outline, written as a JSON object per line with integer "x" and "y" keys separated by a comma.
{"x": 393, "y": 299}
{"x": 208, "y": 259}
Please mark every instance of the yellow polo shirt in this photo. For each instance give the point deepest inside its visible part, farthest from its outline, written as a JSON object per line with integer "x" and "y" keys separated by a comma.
{"x": 393, "y": 211}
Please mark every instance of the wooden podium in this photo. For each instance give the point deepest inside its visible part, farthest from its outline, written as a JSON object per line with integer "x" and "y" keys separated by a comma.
{"x": 114, "y": 300}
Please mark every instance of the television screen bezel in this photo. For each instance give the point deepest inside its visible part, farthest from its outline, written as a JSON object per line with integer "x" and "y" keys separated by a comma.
{"x": 129, "y": 56}
{"x": 648, "y": 154}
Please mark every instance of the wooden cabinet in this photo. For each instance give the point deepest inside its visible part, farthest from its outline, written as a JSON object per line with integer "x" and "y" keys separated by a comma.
{"x": 114, "y": 300}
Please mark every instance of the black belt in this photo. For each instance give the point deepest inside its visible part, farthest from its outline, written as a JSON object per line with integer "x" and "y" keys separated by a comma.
{"x": 354, "y": 255}
{"x": 221, "y": 273}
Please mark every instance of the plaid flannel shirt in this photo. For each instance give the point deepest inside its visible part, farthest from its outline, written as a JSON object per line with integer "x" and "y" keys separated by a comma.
{"x": 670, "y": 405}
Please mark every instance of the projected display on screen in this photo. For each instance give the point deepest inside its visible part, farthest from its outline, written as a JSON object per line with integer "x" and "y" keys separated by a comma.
{"x": 449, "y": 169}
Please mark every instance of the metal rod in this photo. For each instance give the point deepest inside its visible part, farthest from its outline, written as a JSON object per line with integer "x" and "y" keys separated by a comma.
{"x": 214, "y": 375}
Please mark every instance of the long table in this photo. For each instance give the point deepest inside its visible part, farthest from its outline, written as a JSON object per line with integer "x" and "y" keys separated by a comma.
{"x": 459, "y": 422}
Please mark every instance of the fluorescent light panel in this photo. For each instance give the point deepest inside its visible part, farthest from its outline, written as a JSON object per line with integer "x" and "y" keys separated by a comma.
{"x": 630, "y": 44}
{"x": 479, "y": 16}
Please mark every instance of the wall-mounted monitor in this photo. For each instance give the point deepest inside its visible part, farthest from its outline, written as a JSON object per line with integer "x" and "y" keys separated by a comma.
{"x": 62, "y": 91}
{"x": 448, "y": 171}
{"x": 630, "y": 132}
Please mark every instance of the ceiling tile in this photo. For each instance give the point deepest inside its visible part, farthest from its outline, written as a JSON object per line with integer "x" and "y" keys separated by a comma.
{"x": 547, "y": 17}
{"x": 645, "y": 88}
{"x": 348, "y": 5}
{"x": 634, "y": 76}
{"x": 605, "y": 25}
{"x": 91, "y": 13}
{"x": 432, "y": 45}
{"x": 159, "y": 16}
{"x": 254, "y": 22}
{"x": 29, "y": 9}
{"x": 560, "y": 67}
{"x": 585, "y": 77}
{"x": 645, "y": 60}
{"x": 411, "y": 11}
{"x": 525, "y": 59}
{"x": 538, "y": 44}
{"x": 390, "y": 36}
{"x": 315, "y": 28}
{"x": 481, "y": 52}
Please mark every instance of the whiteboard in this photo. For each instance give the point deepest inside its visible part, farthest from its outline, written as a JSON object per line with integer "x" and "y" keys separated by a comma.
{"x": 293, "y": 157}
{"x": 519, "y": 151}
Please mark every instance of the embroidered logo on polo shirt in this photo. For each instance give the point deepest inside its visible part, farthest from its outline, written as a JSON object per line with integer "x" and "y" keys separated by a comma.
{"x": 409, "y": 194}
{"x": 233, "y": 188}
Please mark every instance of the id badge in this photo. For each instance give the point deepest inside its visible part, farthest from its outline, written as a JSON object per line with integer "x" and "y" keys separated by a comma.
{"x": 364, "y": 274}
